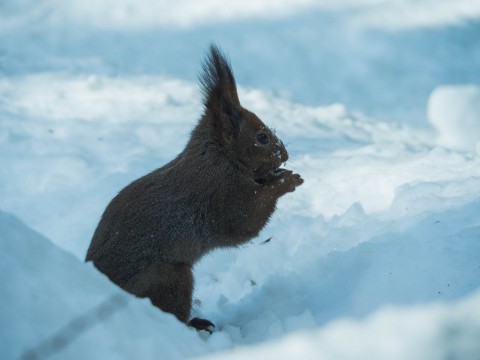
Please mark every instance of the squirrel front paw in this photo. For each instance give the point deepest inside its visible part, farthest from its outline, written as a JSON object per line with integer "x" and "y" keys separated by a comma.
{"x": 286, "y": 181}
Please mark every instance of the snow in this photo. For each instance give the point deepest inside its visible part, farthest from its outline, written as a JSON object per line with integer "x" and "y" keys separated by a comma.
{"x": 146, "y": 14}
{"x": 46, "y": 288}
{"x": 440, "y": 332}
{"x": 375, "y": 256}
{"x": 455, "y": 112}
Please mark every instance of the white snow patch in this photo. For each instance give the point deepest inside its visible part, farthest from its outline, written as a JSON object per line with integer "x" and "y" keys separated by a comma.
{"x": 455, "y": 112}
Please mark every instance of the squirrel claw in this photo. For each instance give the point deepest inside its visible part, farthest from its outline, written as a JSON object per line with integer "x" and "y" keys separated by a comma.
{"x": 201, "y": 324}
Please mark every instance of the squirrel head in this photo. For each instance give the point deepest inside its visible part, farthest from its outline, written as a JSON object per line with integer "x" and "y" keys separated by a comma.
{"x": 237, "y": 132}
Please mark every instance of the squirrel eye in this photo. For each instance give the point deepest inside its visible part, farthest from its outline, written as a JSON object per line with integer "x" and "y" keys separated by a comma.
{"x": 262, "y": 138}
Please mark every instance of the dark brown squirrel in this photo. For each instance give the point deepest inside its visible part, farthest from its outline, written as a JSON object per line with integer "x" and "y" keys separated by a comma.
{"x": 220, "y": 191}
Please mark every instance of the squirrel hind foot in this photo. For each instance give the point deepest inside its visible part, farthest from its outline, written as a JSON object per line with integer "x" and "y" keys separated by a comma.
{"x": 201, "y": 324}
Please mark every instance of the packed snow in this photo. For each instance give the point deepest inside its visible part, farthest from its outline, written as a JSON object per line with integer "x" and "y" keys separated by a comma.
{"x": 375, "y": 256}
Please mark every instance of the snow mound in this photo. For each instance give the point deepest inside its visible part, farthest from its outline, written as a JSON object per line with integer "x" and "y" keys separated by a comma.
{"x": 455, "y": 112}
{"x": 54, "y": 306}
{"x": 418, "y": 333}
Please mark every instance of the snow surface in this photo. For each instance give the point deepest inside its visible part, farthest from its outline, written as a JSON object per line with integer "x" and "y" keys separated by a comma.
{"x": 376, "y": 256}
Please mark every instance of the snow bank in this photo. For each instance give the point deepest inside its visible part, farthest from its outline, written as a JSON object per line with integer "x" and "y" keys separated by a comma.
{"x": 455, "y": 112}
{"x": 419, "y": 333}
{"x": 54, "y": 306}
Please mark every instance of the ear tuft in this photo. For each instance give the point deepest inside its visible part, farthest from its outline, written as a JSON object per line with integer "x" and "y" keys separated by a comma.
{"x": 217, "y": 81}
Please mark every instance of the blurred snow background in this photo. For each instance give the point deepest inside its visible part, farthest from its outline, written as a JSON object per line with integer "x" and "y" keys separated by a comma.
{"x": 376, "y": 256}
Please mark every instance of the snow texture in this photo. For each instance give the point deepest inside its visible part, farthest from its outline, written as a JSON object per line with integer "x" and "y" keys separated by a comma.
{"x": 375, "y": 256}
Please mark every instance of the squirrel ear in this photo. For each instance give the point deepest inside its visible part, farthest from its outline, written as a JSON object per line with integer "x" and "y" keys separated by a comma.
{"x": 219, "y": 90}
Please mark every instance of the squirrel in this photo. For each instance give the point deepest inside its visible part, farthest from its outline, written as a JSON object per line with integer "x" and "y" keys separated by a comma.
{"x": 220, "y": 191}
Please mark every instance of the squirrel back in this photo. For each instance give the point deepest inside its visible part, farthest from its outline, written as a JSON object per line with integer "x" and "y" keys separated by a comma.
{"x": 220, "y": 191}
